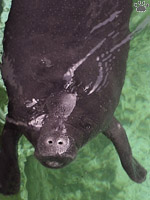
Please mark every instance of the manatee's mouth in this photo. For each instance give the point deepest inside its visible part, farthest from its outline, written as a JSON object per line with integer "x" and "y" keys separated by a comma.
{"x": 53, "y": 164}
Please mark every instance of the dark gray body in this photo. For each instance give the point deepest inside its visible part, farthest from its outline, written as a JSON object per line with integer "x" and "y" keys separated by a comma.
{"x": 64, "y": 66}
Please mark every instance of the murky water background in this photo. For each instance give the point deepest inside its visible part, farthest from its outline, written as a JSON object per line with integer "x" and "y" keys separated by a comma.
{"x": 97, "y": 173}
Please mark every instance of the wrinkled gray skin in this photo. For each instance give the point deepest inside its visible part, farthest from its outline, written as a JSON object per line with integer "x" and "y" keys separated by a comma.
{"x": 64, "y": 66}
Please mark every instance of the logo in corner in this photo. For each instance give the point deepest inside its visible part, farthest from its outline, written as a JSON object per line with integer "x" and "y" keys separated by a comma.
{"x": 141, "y": 6}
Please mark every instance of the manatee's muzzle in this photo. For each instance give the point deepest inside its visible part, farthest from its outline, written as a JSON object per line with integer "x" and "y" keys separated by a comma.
{"x": 55, "y": 151}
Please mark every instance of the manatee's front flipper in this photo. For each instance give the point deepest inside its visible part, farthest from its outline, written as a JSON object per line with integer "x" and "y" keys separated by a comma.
{"x": 9, "y": 170}
{"x": 117, "y": 135}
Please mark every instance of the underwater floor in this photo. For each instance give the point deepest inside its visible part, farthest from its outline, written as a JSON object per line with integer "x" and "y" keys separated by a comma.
{"x": 97, "y": 174}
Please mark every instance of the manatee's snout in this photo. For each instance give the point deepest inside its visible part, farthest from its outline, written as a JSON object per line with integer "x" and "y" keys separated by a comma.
{"x": 55, "y": 151}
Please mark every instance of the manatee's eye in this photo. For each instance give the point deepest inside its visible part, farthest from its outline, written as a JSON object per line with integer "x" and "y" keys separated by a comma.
{"x": 45, "y": 62}
{"x": 88, "y": 126}
{"x": 85, "y": 125}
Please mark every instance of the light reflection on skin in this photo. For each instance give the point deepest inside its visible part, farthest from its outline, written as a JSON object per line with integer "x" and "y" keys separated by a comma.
{"x": 38, "y": 121}
{"x": 70, "y": 73}
{"x": 63, "y": 110}
{"x": 110, "y": 19}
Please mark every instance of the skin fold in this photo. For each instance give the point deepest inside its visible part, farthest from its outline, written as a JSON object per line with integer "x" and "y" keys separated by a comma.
{"x": 64, "y": 66}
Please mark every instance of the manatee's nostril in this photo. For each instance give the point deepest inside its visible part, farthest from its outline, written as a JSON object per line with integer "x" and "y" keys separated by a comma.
{"x": 60, "y": 142}
{"x": 50, "y": 141}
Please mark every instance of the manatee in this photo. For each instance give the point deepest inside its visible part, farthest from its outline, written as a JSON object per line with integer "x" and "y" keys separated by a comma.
{"x": 64, "y": 66}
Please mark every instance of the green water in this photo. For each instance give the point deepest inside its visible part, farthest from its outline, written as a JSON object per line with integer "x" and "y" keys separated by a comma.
{"x": 97, "y": 174}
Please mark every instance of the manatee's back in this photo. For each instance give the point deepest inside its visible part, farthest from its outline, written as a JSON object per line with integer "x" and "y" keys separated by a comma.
{"x": 79, "y": 46}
